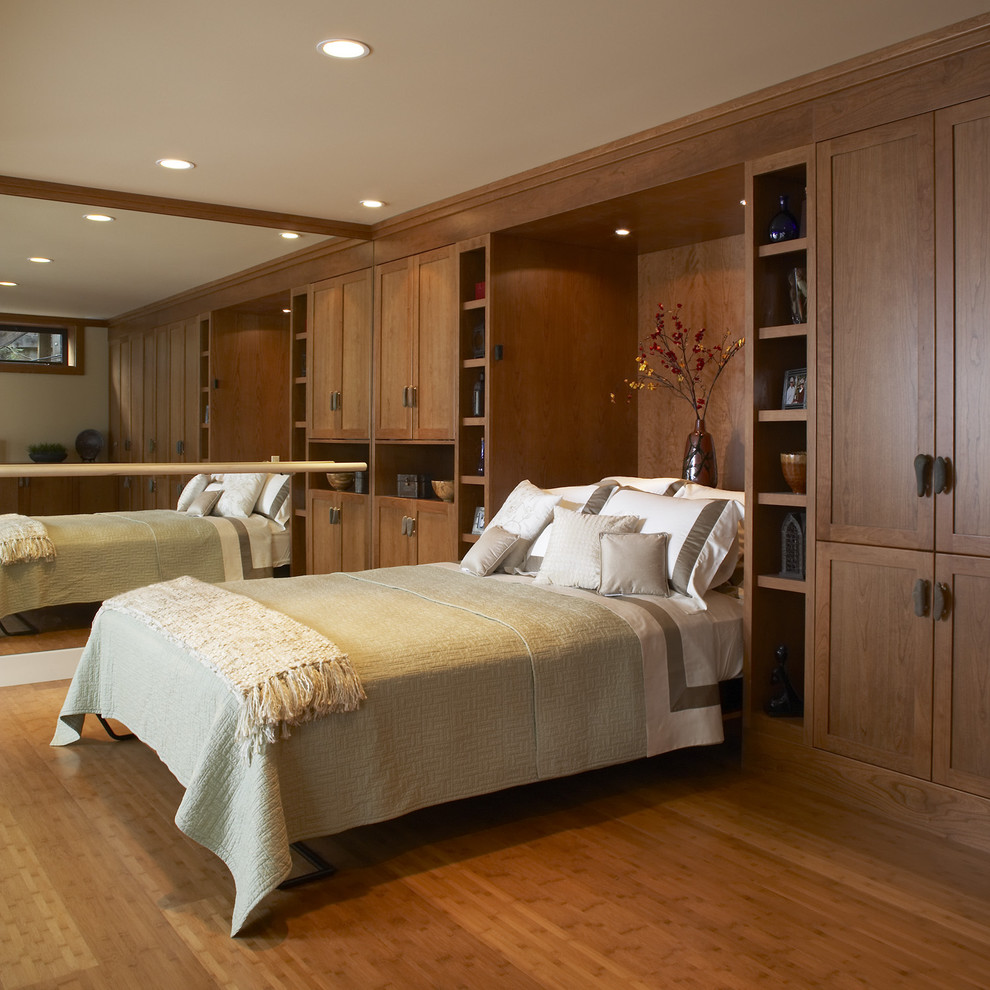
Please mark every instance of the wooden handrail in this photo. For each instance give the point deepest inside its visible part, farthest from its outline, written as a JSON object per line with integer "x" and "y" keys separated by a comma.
{"x": 102, "y": 469}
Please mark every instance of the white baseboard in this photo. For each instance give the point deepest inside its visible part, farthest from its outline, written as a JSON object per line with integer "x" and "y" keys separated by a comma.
{"x": 33, "y": 668}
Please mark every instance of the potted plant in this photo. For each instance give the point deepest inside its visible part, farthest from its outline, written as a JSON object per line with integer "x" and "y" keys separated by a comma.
{"x": 47, "y": 453}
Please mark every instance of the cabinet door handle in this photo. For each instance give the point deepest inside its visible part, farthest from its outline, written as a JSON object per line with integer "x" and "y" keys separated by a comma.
{"x": 940, "y": 475}
{"x": 405, "y": 396}
{"x": 412, "y": 395}
{"x": 941, "y": 600}
{"x": 151, "y": 444}
{"x": 338, "y": 399}
{"x": 180, "y": 447}
{"x": 921, "y": 598}
{"x": 412, "y": 527}
{"x": 922, "y": 467}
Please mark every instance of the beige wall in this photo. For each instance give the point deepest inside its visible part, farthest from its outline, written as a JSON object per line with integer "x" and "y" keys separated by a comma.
{"x": 38, "y": 408}
{"x": 708, "y": 278}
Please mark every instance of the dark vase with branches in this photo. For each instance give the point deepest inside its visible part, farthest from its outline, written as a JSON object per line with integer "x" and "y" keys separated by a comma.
{"x": 677, "y": 358}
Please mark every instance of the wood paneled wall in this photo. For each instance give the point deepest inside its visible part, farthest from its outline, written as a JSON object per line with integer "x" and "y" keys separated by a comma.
{"x": 708, "y": 278}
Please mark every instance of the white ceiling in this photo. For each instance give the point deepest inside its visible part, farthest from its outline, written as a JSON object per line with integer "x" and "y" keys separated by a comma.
{"x": 456, "y": 93}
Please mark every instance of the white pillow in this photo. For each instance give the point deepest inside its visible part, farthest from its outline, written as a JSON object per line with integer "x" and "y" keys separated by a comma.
{"x": 703, "y": 545}
{"x": 574, "y": 496}
{"x": 494, "y": 545}
{"x": 240, "y": 493}
{"x": 659, "y": 486}
{"x": 574, "y": 554}
{"x": 195, "y": 486}
{"x": 524, "y": 513}
{"x": 692, "y": 489}
{"x": 273, "y": 502}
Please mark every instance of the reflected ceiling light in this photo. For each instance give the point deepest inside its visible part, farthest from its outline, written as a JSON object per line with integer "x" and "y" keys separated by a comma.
{"x": 176, "y": 164}
{"x": 98, "y": 217}
{"x": 284, "y": 310}
{"x": 289, "y": 235}
{"x": 41, "y": 261}
{"x": 344, "y": 48}
{"x": 373, "y": 204}
{"x": 8, "y": 283}
{"x": 742, "y": 202}
{"x": 622, "y": 231}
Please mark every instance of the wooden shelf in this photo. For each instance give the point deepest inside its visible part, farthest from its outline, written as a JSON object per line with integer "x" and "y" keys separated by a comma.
{"x": 792, "y": 246}
{"x": 472, "y": 479}
{"x": 779, "y": 583}
{"x": 474, "y": 304}
{"x": 469, "y": 537}
{"x": 782, "y": 415}
{"x": 473, "y": 363}
{"x": 787, "y": 330}
{"x": 473, "y": 421}
{"x": 782, "y": 498}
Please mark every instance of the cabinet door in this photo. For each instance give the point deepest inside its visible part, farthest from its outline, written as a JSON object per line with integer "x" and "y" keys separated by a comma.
{"x": 338, "y": 524}
{"x": 341, "y": 330}
{"x": 47, "y": 496}
{"x": 394, "y": 330}
{"x": 876, "y": 334}
{"x": 873, "y": 657}
{"x": 436, "y": 539}
{"x": 183, "y": 394}
{"x": 963, "y": 407}
{"x": 436, "y": 346}
{"x": 396, "y": 542}
{"x": 961, "y": 751}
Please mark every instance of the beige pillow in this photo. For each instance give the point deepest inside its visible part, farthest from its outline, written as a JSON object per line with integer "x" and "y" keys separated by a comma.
{"x": 493, "y": 546}
{"x": 574, "y": 552}
{"x": 525, "y": 512}
{"x": 193, "y": 487}
{"x": 634, "y": 564}
{"x": 204, "y": 502}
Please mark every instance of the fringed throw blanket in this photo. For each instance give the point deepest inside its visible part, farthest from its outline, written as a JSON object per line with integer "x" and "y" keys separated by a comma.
{"x": 23, "y": 539}
{"x": 282, "y": 672}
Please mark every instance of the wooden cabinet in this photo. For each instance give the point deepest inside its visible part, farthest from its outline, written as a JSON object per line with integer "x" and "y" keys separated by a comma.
{"x": 415, "y": 347}
{"x": 340, "y": 391}
{"x": 902, "y": 649}
{"x": 780, "y": 332}
{"x": 339, "y": 525}
{"x": 413, "y": 531}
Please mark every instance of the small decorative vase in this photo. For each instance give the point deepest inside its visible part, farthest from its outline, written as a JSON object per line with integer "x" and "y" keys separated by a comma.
{"x": 784, "y": 226}
{"x": 699, "y": 456}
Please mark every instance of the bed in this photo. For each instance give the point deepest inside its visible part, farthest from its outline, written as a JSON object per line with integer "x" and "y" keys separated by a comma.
{"x": 89, "y": 557}
{"x": 483, "y": 677}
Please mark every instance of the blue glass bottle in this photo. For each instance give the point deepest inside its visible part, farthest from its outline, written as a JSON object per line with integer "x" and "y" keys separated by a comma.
{"x": 784, "y": 226}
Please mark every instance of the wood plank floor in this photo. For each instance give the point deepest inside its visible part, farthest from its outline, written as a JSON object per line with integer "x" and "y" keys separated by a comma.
{"x": 683, "y": 871}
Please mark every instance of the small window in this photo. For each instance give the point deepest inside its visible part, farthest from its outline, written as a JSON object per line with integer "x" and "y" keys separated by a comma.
{"x": 27, "y": 347}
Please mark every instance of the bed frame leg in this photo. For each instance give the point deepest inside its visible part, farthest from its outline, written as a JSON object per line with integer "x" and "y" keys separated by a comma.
{"x": 120, "y": 736}
{"x": 322, "y": 868}
{"x": 29, "y": 628}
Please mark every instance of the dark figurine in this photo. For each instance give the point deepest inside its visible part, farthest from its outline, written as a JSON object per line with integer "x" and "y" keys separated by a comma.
{"x": 788, "y": 701}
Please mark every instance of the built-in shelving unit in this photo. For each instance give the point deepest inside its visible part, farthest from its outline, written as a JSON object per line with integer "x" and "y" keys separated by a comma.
{"x": 781, "y": 341}
{"x": 204, "y": 388}
{"x": 473, "y": 342}
{"x": 299, "y": 379}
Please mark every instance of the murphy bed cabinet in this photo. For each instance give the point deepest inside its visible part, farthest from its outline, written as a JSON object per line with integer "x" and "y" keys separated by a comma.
{"x": 902, "y": 637}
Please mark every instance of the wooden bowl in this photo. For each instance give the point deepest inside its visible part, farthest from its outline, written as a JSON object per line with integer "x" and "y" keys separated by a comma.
{"x": 444, "y": 490}
{"x": 795, "y": 468}
{"x": 341, "y": 481}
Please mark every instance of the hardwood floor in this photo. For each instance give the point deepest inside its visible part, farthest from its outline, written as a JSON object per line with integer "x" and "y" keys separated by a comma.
{"x": 682, "y": 871}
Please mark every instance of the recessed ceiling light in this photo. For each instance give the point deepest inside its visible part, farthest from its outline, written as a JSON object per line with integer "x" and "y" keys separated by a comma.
{"x": 8, "y": 283}
{"x": 373, "y": 204}
{"x": 98, "y": 217}
{"x": 176, "y": 164}
{"x": 344, "y": 48}
{"x": 41, "y": 261}
{"x": 289, "y": 235}
{"x": 622, "y": 232}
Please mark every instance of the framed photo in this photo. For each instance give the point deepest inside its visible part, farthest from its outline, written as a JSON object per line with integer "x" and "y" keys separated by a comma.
{"x": 479, "y": 520}
{"x": 795, "y": 394}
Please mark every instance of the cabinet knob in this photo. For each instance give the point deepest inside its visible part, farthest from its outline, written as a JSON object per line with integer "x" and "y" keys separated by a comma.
{"x": 922, "y": 470}
{"x": 921, "y": 598}
{"x": 940, "y": 601}
{"x": 941, "y": 471}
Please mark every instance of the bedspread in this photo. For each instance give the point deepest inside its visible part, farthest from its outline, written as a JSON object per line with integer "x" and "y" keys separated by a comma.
{"x": 105, "y": 553}
{"x": 473, "y": 685}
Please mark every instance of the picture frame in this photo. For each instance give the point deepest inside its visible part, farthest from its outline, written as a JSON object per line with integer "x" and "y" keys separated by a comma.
{"x": 479, "y": 521}
{"x": 795, "y": 391}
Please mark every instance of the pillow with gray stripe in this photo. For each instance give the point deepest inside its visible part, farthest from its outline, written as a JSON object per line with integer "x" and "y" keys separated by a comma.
{"x": 704, "y": 535}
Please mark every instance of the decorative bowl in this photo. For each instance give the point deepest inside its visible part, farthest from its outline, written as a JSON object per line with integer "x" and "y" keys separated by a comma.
{"x": 444, "y": 490}
{"x": 795, "y": 468}
{"x": 341, "y": 481}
